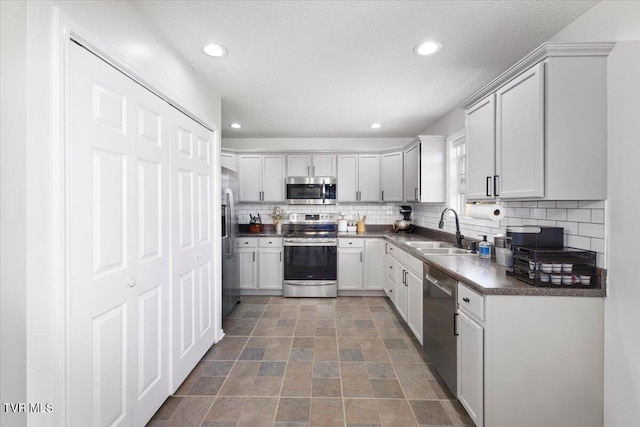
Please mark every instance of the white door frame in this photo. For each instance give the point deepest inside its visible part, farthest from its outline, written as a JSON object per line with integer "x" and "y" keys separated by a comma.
{"x": 67, "y": 30}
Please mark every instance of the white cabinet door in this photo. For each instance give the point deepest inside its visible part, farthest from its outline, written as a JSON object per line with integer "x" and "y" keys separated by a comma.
{"x": 470, "y": 367}
{"x": 480, "y": 128}
{"x": 412, "y": 174}
{"x": 248, "y": 267}
{"x": 350, "y": 268}
{"x": 270, "y": 268}
{"x": 273, "y": 177}
{"x": 119, "y": 254}
{"x": 374, "y": 272}
{"x": 229, "y": 161}
{"x": 520, "y": 135}
{"x": 390, "y": 277}
{"x": 250, "y": 177}
{"x": 298, "y": 165}
{"x": 433, "y": 169}
{"x": 348, "y": 178}
{"x": 391, "y": 177}
{"x": 323, "y": 165}
{"x": 414, "y": 304}
{"x": 368, "y": 178}
{"x": 402, "y": 289}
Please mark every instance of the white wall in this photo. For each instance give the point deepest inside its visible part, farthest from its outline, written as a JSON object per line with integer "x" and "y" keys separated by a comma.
{"x": 619, "y": 21}
{"x": 302, "y": 144}
{"x": 13, "y": 321}
{"x": 30, "y": 132}
{"x": 448, "y": 124}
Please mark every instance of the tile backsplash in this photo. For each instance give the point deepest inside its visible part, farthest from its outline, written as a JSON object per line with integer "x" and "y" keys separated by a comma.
{"x": 583, "y": 221}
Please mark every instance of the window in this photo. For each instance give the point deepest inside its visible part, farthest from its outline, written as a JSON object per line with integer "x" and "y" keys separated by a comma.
{"x": 457, "y": 179}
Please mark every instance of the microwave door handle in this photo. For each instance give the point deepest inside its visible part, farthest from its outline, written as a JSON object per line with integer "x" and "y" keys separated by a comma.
{"x": 324, "y": 191}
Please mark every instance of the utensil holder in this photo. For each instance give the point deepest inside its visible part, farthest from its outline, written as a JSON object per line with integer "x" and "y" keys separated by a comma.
{"x": 360, "y": 228}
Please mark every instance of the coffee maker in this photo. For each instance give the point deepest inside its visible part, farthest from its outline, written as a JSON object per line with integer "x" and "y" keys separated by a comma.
{"x": 404, "y": 224}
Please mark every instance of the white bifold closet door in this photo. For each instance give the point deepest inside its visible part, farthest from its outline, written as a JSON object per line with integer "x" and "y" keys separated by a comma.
{"x": 127, "y": 146}
{"x": 192, "y": 290}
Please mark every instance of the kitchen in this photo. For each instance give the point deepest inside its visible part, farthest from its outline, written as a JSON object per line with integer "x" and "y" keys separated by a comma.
{"x": 608, "y": 230}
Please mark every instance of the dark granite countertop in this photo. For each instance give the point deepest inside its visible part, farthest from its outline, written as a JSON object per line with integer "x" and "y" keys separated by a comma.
{"x": 484, "y": 276}
{"x": 266, "y": 233}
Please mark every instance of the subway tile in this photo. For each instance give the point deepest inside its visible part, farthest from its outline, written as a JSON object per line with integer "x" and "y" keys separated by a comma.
{"x": 593, "y": 204}
{"x": 597, "y": 245}
{"x": 557, "y": 214}
{"x": 569, "y": 227}
{"x": 591, "y": 230}
{"x": 579, "y": 242}
{"x": 567, "y": 204}
{"x": 547, "y": 223}
{"x": 522, "y": 212}
{"x": 547, "y": 204}
{"x": 579, "y": 215}
{"x": 597, "y": 216}
{"x": 538, "y": 213}
{"x": 529, "y": 204}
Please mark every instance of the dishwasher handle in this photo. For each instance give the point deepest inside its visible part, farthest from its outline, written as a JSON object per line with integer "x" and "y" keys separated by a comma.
{"x": 437, "y": 284}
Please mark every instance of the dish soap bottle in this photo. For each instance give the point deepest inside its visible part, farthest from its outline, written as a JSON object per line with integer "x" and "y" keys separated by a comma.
{"x": 484, "y": 248}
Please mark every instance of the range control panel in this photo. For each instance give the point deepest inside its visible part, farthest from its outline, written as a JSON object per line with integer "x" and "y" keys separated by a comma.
{"x": 312, "y": 218}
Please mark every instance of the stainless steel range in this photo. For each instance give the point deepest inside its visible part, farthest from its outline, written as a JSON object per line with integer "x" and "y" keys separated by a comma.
{"x": 311, "y": 256}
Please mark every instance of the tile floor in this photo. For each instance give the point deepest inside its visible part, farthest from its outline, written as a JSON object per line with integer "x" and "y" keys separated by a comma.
{"x": 289, "y": 362}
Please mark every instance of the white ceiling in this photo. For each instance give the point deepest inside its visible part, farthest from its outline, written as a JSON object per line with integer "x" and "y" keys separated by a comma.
{"x": 331, "y": 68}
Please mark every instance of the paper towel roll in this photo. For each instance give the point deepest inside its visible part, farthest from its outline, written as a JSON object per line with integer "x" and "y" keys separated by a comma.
{"x": 492, "y": 211}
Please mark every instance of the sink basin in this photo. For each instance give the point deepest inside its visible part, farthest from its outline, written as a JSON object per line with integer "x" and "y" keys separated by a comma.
{"x": 429, "y": 245}
{"x": 445, "y": 251}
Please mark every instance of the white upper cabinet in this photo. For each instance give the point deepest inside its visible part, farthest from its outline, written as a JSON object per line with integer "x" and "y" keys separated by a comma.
{"x": 261, "y": 178}
{"x": 520, "y": 136}
{"x": 433, "y": 169}
{"x": 311, "y": 165}
{"x": 480, "y": 126}
{"x": 412, "y": 173}
{"x": 539, "y": 130}
{"x": 391, "y": 177}
{"x": 359, "y": 178}
{"x": 229, "y": 161}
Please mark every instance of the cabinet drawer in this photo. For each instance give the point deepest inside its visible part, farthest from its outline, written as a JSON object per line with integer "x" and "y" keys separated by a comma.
{"x": 398, "y": 254}
{"x": 415, "y": 265}
{"x": 246, "y": 242}
{"x": 268, "y": 242}
{"x": 351, "y": 243}
{"x": 470, "y": 301}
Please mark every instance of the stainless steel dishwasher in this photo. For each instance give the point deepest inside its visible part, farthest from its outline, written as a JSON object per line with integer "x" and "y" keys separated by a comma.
{"x": 439, "y": 324}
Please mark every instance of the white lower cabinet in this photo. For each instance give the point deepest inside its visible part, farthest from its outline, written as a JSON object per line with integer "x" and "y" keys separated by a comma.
{"x": 389, "y": 275}
{"x": 470, "y": 367}
{"x": 374, "y": 264}
{"x": 360, "y": 264}
{"x": 405, "y": 275}
{"x": 260, "y": 262}
{"x": 530, "y": 361}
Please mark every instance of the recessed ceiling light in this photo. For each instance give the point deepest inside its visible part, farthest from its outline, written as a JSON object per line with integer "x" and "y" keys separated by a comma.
{"x": 427, "y": 48}
{"x": 375, "y": 126}
{"x": 215, "y": 50}
{"x": 235, "y": 125}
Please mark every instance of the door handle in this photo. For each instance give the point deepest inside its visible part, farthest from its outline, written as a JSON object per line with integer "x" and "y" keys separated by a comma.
{"x": 131, "y": 283}
{"x": 487, "y": 186}
{"x": 495, "y": 185}
{"x": 254, "y": 256}
{"x": 455, "y": 329}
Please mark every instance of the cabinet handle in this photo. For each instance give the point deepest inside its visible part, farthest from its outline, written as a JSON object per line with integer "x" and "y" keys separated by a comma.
{"x": 487, "y": 186}
{"x": 416, "y": 194}
{"x": 313, "y": 168}
{"x": 455, "y": 329}
{"x": 495, "y": 185}
{"x": 383, "y": 195}
{"x": 280, "y": 256}
{"x": 386, "y": 248}
{"x": 308, "y": 171}
{"x": 254, "y": 256}
{"x": 465, "y": 299}
{"x": 360, "y": 256}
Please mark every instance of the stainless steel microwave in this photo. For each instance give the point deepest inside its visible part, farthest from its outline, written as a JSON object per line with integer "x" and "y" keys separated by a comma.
{"x": 303, "y": 190}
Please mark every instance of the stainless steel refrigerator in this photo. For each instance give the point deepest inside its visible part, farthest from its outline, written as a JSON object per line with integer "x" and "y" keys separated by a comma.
{"x": 230, "y": 266}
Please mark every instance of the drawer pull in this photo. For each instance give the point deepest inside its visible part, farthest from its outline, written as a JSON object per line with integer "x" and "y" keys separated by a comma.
{"x": 465, "y": 299}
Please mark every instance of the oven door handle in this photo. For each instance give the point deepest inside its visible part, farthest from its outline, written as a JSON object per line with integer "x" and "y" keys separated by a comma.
{"x": 310, "y": 242}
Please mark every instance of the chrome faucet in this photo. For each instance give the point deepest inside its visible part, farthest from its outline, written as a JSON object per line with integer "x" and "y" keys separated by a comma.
{"x": 459, "y": 236}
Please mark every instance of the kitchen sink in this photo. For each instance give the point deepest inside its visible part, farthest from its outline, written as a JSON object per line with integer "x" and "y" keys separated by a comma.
{"x": 429, "y": 245}
{"x": 445, "y": 251}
